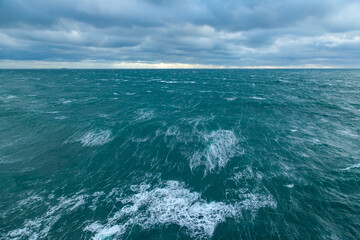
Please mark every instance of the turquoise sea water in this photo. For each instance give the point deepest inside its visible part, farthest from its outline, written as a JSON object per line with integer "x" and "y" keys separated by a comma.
{"x": 180, "y": 154}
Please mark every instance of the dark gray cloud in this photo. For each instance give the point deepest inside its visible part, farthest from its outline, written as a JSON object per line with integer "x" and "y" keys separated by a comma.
{"x": 218, "y": 32}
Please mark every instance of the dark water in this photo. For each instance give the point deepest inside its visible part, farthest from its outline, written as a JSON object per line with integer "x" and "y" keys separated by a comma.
{"x": 180, "y": 154}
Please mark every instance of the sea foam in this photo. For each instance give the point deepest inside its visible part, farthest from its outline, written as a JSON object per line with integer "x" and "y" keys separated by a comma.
{"x": 221, "y": 146}
{"x": 257, "y": 98}
{"x": 353, "y": 166}
{"x": 172, "y": 203}
{"x": 144, "y": 206}
{"x": 96, "y": 138}
{"x": 231, "y": 98}
{"x": 145, "y": 114}
{"x": 39, "y": 227}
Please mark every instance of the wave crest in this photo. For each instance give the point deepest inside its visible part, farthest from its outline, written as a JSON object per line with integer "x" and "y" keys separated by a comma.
{"x": 145, "y": 114}
{"x": 222, "y": 145}
{"x": 96, "y": 138}
{"x": 174, "y": 204}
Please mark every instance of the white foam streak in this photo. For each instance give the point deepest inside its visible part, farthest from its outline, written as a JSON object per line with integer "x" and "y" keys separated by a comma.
{"x": 258, "y": 98}
{"x": 172, "y": 131}
{"x": 30, "y": 200}
{"x": 96, "y": 138}
{"x": 231, "y": 98}
{"x": 222, "y": 146}
{"x": 145, "y": 114}
{"x": 39, "y": 227}
{"x": 352, "y": 166}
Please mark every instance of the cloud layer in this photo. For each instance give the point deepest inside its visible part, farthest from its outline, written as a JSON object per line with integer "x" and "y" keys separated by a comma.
{"x": 212, "y": 32}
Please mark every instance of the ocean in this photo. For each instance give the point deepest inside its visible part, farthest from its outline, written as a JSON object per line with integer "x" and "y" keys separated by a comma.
{"x": 180, "y": 154}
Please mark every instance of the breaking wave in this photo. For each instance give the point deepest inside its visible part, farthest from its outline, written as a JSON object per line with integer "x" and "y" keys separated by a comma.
{"x": 96, "y": 138}
{"x": 145, "y": 114}
{"x": 231, "y": 98}
{"x": 258, "y": 98}
{"x": 39, "y": 227}
{"x": 353, "y": 166}
{"x": 222, "y": 145}
{"x": 173, "y": 204}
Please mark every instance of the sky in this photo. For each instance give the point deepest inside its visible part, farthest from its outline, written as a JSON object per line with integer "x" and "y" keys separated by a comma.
{"x": 179, "y": 33}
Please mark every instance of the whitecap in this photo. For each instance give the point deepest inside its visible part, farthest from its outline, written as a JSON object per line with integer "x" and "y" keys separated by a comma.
{"x": 30, "y": 200}
{"x": 95, "y": 201}
{"x": 39, "y": 227}
{"x": 289, "y": 185}
{"x": 172, "y": 131}
{"x": 96, "y": 138}
{"x": 139, "y": 140}
{"x": 231, "y": 98}
{"x": 222, "y": 145}
{"x": 60, "y": 117}
{"x": 53, "y": 112}
{"x": 257, "y": 98}
{"x": 64, "y": 101}
{"x": 172, "y": 203}
{"x": 145, "y": 114}
{"x": 163, "y": 81}
{"x": 246, "y": 174}
{"x": 352, "y": 166}
{"x": 199, "y": 120}
{"x": 348, "y": 133}
{"x": 10, "y": 97}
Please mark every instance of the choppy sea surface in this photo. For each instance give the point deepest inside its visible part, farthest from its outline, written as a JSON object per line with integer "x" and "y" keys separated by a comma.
{"x": 179, "y": 154}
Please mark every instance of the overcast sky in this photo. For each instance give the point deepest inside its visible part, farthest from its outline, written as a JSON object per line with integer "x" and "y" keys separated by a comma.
{"x": 179, "y": 33}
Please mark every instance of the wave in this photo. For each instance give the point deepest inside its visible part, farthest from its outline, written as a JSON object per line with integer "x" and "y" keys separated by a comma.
{"x": 352, "y": 166}
{"x": 30, "y": 200}
{"x": 7, "y": 97}
{"x": 231, "y": 98}
{"x": 145, "y": 114}
{"x": 96, "y": 138}
{"x": 173, "y": 204}
{"x": 139, "y": 140}
{"x": 222, "y": 145}
{"x": 172, "y": 131}
{"x": 65, "y": 101}
{"x": 257, "y": 98}
{"x": 163, "y": 81}
{"x": 147, "y": 207}
{"x": 60, "y": 117}
{"x": 39, "y": 227}
{"x": 349, "y": 133}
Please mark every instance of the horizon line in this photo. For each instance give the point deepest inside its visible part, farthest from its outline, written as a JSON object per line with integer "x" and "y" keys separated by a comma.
{"x": 113, "y": 65}
{"x": 240, "y": 68}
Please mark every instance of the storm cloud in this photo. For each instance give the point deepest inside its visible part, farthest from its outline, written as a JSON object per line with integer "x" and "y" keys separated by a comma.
{"x": 213, "y": 32}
